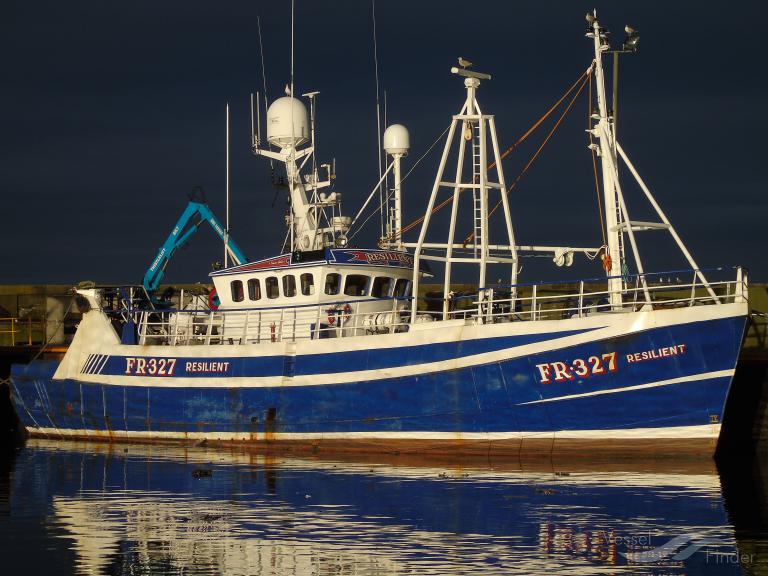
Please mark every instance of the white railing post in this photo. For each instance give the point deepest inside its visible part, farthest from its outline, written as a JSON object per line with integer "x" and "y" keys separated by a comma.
{"x": 143, "y": 328}
{"x": 209, "y": 329}
{"x": 693, "y": 289}
{"x": 581, "y": 299}
{"x": 742, "y": 285}
{"x": 533, "y": 303}
{"x": 244, "y": 337}
{"x": 173, "y": 330}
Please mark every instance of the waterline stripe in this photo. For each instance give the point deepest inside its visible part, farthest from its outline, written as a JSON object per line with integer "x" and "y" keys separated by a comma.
{"x": 669, "y": 432}
{"x": 681, "y": 380}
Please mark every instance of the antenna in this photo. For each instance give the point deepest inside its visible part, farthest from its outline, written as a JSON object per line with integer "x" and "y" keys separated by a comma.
{"x": 312, "y": 114}
{"x": 378, "y": 116}
{"x": 291, "y": 183}
{"x": 226, "y": 228}
{"x": 293, "y": 10}
{"x": 253, "y": 132}
{"x": 263, "y": 79}
{"x": 258, "y": 119}
{"x": 386, "y": 209}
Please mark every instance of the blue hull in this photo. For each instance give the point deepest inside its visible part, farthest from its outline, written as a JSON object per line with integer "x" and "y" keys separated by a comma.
{"x": 505, "y": 401}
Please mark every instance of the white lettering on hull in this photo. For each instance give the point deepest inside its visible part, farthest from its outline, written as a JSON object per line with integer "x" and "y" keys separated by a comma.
{"x": 138, "y": 366}
{"x": 206, "y": 367}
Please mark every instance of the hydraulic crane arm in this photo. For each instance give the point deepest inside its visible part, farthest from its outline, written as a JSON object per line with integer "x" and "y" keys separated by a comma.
{"x": 196, "y": 212}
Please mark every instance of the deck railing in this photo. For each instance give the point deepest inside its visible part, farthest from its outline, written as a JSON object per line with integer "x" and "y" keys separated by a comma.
{"x": 512, "y": 303}
{"x": 540, "y": 301}
{"x": 255, "y": 326}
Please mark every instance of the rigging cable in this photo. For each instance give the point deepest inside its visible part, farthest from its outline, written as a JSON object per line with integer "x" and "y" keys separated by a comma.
{"x": 506, "y": 152}
{"x": 546, "y": 115}
{"x": 403, "y": 179}
{"x": 538, "y": 150}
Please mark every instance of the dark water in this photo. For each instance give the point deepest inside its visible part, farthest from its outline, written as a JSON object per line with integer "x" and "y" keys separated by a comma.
{"x": 132, "y": 510}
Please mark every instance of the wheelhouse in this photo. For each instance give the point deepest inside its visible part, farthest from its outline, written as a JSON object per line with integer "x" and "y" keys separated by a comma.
{"x": 328, "y": 277}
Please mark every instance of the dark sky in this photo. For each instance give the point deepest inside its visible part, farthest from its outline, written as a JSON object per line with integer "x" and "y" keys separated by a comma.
{"x": 112, "y": 112}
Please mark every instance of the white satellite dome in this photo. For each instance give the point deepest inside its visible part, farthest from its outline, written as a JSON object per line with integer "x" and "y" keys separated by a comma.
{"x": 279, "y": 131}
{"x": 396, "y": 140}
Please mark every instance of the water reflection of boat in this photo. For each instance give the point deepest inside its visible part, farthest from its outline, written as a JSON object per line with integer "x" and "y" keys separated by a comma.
{"x": 143, "y": 509}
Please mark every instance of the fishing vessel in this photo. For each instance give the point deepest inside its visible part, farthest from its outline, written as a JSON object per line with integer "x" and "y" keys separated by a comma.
{"x": 328, "y": 346}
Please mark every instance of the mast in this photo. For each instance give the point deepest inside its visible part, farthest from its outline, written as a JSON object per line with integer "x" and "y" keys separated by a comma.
{"x": 474, "y": 129}
{"x": 603, "y": 131}
{"x": 290, "y": 128}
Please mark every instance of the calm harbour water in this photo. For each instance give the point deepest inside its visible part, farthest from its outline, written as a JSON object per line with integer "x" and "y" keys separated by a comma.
{"x": 93, "y": 509}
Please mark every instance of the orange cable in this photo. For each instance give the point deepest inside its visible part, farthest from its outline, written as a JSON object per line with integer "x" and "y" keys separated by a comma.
{"x": 506, "y": 152}
{"x": 538, "y": 151}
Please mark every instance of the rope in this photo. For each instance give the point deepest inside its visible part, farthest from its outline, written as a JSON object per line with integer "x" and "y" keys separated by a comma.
{"x": 534, "y": 126}
{"x": 538, "y": 151}
{"x": 546, "y": 115}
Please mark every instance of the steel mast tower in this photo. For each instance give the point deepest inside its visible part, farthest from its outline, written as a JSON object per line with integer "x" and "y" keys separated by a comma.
{"x": 474, "y": 129}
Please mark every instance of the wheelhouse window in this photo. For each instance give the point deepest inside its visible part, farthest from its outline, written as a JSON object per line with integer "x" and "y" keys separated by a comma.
{"x": 402, "y": 288}
{"x": 307, "y": 284}
{"x": 237, "y": 290}
{"x": 382, "y": 286}
{"x": 289, "y": 285}
{"x": 356, "y": 285}
{"x": 270, "y": 284}
{"x": 254, "y": 289}
{"x": 332, "y": 283}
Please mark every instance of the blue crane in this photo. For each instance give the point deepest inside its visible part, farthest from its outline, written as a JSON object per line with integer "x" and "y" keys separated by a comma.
{"x": 196, "y": 212}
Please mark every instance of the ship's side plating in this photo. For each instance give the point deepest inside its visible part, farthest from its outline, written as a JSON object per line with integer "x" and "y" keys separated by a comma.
{"x": 654, "y": 380}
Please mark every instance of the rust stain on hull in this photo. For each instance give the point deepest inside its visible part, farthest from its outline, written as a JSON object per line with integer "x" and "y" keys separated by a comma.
{"x": 526, "y": 448}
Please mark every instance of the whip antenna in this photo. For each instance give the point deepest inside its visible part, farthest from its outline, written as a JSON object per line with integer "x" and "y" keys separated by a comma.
{"x": 378, "y": 112}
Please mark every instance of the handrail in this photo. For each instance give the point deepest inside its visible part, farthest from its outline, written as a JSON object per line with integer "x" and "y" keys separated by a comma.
{"x": 250, "y": 326}
{"x": 308, "y": 305}
{"x": 517, "y": 306}
{"x": 604, "y": 278}
{"x": 344, "y": 318}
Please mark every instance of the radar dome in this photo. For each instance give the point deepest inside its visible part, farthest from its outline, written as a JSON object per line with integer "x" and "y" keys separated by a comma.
{"x": 279, "y": 130}
{"x": 396, "y": 140}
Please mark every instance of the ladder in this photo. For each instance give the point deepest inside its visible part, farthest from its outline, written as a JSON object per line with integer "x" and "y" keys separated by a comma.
{"x": 477, "y": 193}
